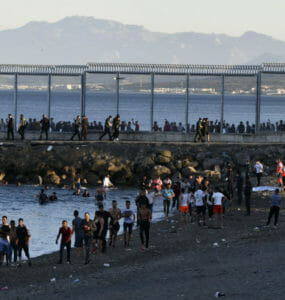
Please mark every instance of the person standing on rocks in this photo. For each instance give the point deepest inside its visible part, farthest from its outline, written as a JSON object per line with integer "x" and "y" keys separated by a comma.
{"x": 66, "y": 234}
{"x": 144, "y": 218}
{"x": 116, "y": 128}
{"x": 258, "y": 171}
{"x": 84, "y": 127}
{"x": 79, "y": 232}
{"x": 45, "y": 125}
{"x": 22, "y": 126}
{"x": 77, "y": 127}
{"x": 247, "y": 195}
{"x": 10, "y": 127}
{"x": 168, "y": 195}
{"x": 89, "y": 227}
{"x": 107, "y": 128}
{"x": 275, "y": 207}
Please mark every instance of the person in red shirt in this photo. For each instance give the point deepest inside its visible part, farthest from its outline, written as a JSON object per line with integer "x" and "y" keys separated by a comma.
{"x": 66, "y": 235}
{"x": 280, "y": 172}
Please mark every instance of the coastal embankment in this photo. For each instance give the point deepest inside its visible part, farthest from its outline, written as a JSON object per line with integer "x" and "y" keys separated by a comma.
{"x": 62, "y": 162}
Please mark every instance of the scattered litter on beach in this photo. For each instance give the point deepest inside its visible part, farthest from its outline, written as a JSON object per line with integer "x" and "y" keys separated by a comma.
{"x": 107, "y": 265}
{"x": 70, "y": 276}
{"x": 76, "y": 280}
{"x": 5, "y": 288}
{"x": 220, "y": 294}
{"x": 256, "y": 228}
{"x": 215, "y": 245}
{"x": 54, "y": 267}
{"x": 223, "y": 240}
{"x": 172, "y": 226}
{"x": 53, "y": 280}
{"x": 197, "y": 241}
{"x": 49, "y": 148}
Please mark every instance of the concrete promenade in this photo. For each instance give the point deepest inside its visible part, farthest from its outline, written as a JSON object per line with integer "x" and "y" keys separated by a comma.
{"x": 158, "y": 137}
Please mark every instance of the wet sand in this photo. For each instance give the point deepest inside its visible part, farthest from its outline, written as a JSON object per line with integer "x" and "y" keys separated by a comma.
{"x": 180, "y": 264}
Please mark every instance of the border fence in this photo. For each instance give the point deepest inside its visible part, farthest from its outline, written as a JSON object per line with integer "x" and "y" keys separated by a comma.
{"x": 152, "y": 71}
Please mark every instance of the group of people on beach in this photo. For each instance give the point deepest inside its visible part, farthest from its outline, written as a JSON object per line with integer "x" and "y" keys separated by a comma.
{"x": 13, "y": 241}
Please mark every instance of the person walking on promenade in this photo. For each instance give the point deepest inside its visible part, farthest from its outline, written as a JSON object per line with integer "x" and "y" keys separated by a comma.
{"x": 258, "y": 171}
{"x": 84, "y": 127}
{"x": 77, "y": 127}
{"x": 45, "y": 125}
{"x": 198, "y": 131}
{"x": 107, "y": 128}
{"x": 116, "y": 127}
{"x": 10, "y": 127}
{"x": 247, "y": 195}
{"x": 275, "y": 207}
{"x": 89, "y": 227}
{"x": 66, "y": 235}
{"x": 23, "y": 240}
{"x": 22, "y": 126}
{"x": 144, "y": 218}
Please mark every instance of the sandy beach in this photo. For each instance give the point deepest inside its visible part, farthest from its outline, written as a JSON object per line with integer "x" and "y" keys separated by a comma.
{"x": 246, "y": 263}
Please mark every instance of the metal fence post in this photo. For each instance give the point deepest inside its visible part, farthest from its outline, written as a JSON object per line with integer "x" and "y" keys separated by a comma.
{"x": 118, "y": 91}
{"x": 15, "y": 100}
{"x": 258, "y": 94}
{"x": 152, "y": 102}
{"x": 49, "y": 96}
{"x": 83, "y": 93}
{"x": 187, "y": 104}
{"x": 222, "y": 102}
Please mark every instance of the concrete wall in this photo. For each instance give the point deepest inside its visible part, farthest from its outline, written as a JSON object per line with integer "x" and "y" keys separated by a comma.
{"x": 163, "y": 137}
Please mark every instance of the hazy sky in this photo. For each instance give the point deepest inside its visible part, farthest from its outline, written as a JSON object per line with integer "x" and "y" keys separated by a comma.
{"x": 233, "y": 17}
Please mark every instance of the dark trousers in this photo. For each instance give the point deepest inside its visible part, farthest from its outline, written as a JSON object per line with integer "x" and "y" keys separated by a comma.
{"x": 76, "y": 132}
{"x": 210, "y": 210}
{"x": 115, "y": 134}
{"x": 13, "y": 249}
{"x": 239, "y": 194}
{"x": 45, "y": 131}
{"x": 247, "y": 204}
{"x": 175, "y": 202}
{"x": 258, "y": 177}
{"x": 25, "y": 247}
{"x": 166, "y": 205}
{"x": 198, "y": 135}
{"x": 84, "y": 133}
{"x": 10, "y": 131}
{"x": 106, "y": 131}
{"x": 87, "y": 242}
{"x": 274, "y": 210}
{"x": 104, "y": 243}
{"x": 22, "y": 132}
{"x": 144, "y": 229}
{"x": 68, "y": 247}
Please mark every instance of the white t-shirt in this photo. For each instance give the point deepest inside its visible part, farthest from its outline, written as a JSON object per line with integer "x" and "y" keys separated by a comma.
{"x": 258, "y": 168}
{"x": 184, "y": 200}
{"x": 107, "y": 182}
{"x": 128, "y": 216}
{"x": 151, "y": 197}
{"x": 217, "y": 197}
{"x": 199, "y": 197}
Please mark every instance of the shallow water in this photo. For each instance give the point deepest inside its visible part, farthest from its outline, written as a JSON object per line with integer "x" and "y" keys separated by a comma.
{"x": 45, "y": 220}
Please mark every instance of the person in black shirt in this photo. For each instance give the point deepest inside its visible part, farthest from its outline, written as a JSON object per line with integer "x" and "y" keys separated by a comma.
{"x": 84, "y": 127}
{"x": 23, "y": 239}
{"x": 44, "y": 126}
{"x": 10, "y": 127}
{"x": 198, "y": 131}
{"x": 106, "y": 216}
{"x": 140, "y": 200}
{"x": 107, "y": 129}
{"x": 5, "y": 228}
{"x": 89, "y": 227}
{"x": 247, "y": 194}
{"x": 76, "y": 129}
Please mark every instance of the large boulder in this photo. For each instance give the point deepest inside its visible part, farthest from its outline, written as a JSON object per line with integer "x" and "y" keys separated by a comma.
{"x": 161, "y": 171}
{"x": 2, "y": 175}
{"x": 186, "y": 172}
{"x": 53, "y": 178}
{"x": 163, "y": 157}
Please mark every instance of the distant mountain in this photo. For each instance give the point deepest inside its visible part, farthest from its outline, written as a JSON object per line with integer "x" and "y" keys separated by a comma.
{"x": 78, "y": 40}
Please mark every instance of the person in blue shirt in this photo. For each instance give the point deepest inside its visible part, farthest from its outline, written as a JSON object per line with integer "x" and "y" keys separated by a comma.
{"x": 167, "y": 194}
{"x": 275, "y": 207}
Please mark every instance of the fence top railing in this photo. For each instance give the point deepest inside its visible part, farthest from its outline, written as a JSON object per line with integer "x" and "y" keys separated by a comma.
{"x": 128, "y": 68}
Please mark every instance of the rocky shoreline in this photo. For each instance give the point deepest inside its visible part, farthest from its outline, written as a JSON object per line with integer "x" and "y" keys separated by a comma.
{"x": 61, "y": 163}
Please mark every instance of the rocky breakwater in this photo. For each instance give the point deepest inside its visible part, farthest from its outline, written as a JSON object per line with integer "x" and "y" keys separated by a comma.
{"x": 126, "y": 162}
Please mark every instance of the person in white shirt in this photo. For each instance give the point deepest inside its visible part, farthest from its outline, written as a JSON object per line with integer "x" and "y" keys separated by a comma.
{"x": 200, "y": 206}
{"x": 258, "y": 171}
{"x": 184, "y": 207}
{"x": 107, "y": 182}
{"x": 218, "y": 198}
{"x": 129, "y": 220}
